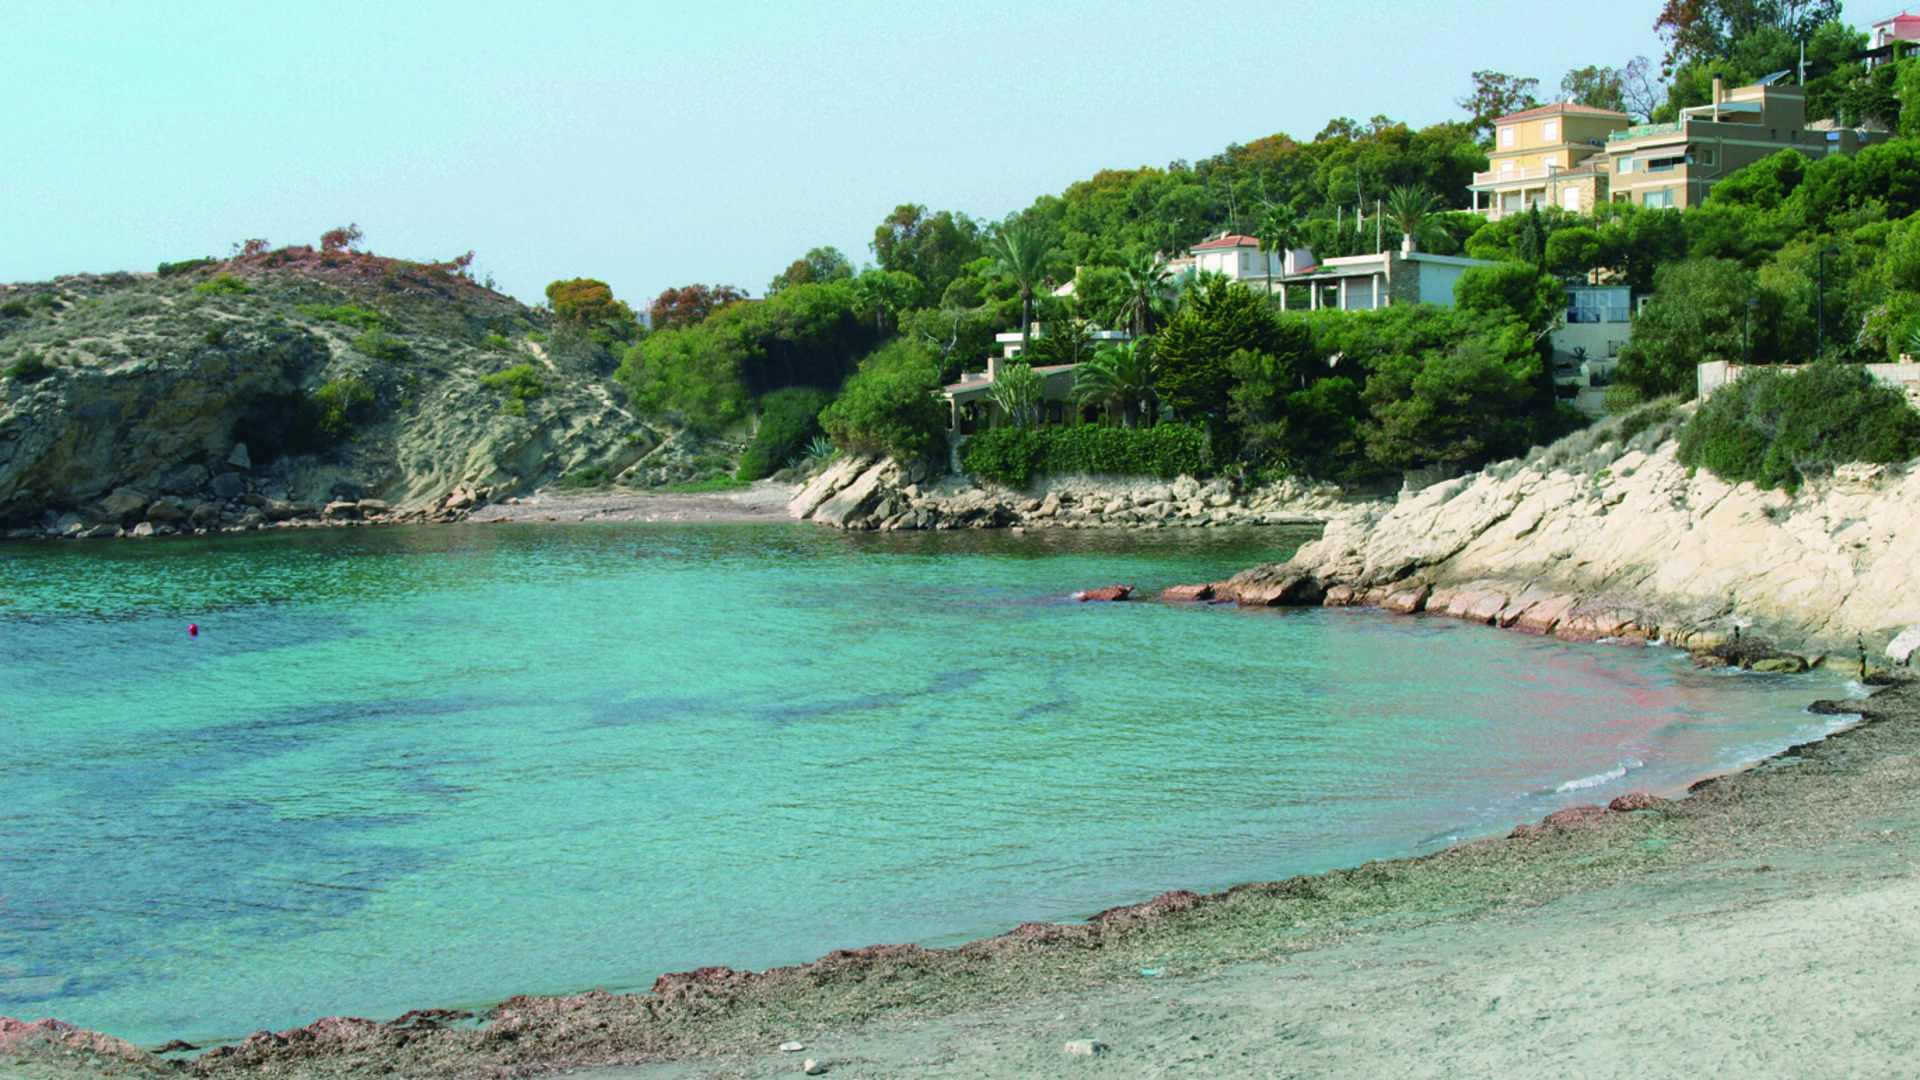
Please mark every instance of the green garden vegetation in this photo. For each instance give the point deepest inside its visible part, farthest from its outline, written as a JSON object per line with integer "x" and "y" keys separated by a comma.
{"x": 1014, "y": 457}
{"x": 1780, "y": 429}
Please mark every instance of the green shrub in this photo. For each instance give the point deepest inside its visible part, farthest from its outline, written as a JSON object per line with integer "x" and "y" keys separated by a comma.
{"x": 338, "y": 401}
{"x": 1779, "y": 429}
{"x": 383, "y": 346}
{"x": 186, "y": 266}
{"x": 222, "y": 283}
{"x": 789, "y": 419}
{"x": 496, "y": 342}
{"x": 15, "y": 309}
{"x": 592, "y": 476}
{"x": 346, "y": 314}
{"x": 29, "y": 367}
{"x": 890, "y": 406}
{"x": 1013, "y": 457}
{"x": 519, "y": 382}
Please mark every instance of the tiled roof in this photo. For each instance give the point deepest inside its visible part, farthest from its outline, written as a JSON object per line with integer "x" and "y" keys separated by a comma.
{"x": 1556, "y": 108}
{"x": 1228, "y": 242}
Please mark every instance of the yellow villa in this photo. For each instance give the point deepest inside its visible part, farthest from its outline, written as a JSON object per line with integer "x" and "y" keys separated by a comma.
{"x": 1553, "y": 155}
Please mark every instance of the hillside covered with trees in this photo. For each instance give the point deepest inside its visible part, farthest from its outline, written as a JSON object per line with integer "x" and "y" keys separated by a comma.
{"x": 1788, "y": 259}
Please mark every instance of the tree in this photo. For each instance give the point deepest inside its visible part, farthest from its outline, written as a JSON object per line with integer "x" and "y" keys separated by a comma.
{"x": 885, "y": 294}
{"x": 1221, "y": 318}
{"x": 1119, "y": 377}
{"x": 1455, "y": 389}
{"x": 1640, "y": 94}
{"x": 890, "y": 406}
{"x": 1149, "y": 294}
{"x": 1020, "y": 255}
{"x": 690, "y": 305}
{"x": 341, "y": 239}
{"x": 1279, "y": 231}
{"x": 818, "y": 266}
{"x": 1698, "y": 314}
{"x": 1594, "y": 86}
{"x": 1414, "y": 211}
{"x": 1494, "y": 95}
{"x": 935, "y": 248}
{"x": 1514, "y": 292}
{"x": 1703, "y": 30}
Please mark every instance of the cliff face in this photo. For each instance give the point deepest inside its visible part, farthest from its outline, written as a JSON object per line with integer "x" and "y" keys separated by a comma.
{"x": 281, "y": 389}
{"x": 1624, "y": 541}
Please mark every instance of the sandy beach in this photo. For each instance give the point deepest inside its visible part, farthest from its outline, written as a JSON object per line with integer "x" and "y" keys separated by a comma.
{"x": 1766, "y": 926}
{"x": 764, "y": 501}
{"x": 1768, "y": 923}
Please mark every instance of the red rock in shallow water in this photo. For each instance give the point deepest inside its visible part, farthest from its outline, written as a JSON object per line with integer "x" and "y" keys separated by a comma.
{"x": 1187, "y": 592}
{"x": 1108, "y": 593}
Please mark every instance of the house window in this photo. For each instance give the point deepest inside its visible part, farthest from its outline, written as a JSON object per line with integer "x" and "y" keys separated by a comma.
{"x": 1706, "y": 155}
{"x": 1570, "y": 198}
{"x": 1626, "y": 165}
{"x": 1506, "y": 136}
{"x": 1506, "y": 166}
{"x": 1660, "y": 199}
{"x": 1550, "y": 130}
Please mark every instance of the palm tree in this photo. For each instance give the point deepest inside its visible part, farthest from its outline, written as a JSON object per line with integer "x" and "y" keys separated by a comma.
{"x": 1020, "y": 254}
{"x": 1149, "y": 291}
{"x": 1279, "y": 231}
{"x": 1414, "y": 211}
{"x": 1119, "y": 376}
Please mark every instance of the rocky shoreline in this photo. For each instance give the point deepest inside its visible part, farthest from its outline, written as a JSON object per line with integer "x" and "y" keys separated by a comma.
{"x": 866, "y": 494}
{"x": 1628, "y": 544}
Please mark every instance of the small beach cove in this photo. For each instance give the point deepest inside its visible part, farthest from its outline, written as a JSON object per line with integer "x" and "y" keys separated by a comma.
{"x": 1058, "y": 960}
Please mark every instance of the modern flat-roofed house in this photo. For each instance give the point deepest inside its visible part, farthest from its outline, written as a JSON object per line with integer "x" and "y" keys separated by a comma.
{"x": 1349, "y": 282}
{"x": 1676, "y": 164}
{"x": 1552, "y": 155}
{"x": 1366, "y": 282}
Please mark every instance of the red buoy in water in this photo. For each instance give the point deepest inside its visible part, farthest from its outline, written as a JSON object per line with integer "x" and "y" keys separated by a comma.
{"x": 193, "y": 629}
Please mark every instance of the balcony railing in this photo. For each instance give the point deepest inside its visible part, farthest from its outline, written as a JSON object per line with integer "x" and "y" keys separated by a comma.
{"x": 1514, "y": 176}
{"x": 1642, "y": 130}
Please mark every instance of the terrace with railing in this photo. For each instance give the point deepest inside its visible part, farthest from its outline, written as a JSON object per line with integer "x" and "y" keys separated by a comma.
{"x": 1642, "y": 130}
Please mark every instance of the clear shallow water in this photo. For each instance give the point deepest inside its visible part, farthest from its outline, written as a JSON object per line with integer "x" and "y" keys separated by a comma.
{"x": 411, "y": 768}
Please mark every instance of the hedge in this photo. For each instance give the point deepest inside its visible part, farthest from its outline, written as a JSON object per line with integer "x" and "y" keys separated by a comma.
{"x": 1013, "y": 457}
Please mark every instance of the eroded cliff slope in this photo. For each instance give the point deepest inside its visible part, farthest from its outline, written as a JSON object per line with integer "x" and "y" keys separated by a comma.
{"x": 261, "y": 389}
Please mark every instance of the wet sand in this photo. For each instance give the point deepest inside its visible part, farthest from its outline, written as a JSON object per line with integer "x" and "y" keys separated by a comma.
{"x": 1768, "y": 923}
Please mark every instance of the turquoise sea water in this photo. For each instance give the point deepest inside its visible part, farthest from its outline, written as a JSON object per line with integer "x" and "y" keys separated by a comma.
{"x": 436, "y": 767}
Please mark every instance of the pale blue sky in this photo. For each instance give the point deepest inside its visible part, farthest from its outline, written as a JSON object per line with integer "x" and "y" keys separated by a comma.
{"x": 660, "y": 144}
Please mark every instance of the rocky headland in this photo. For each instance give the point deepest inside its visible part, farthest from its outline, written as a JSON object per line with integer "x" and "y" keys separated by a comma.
{"x": 1608, "y": 535}
{"x": 297, "y": 387}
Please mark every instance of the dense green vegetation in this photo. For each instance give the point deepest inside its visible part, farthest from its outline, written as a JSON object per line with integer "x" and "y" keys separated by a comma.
{"x": 1791, "y": 257}
{"x": 1779, "y": 430}
{"x": 1014, "y": 456}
